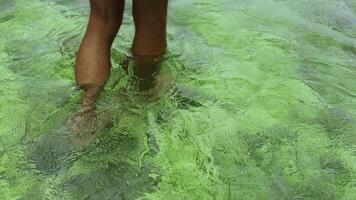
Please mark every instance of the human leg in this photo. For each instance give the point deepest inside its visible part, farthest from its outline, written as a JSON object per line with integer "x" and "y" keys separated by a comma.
{"x": 150, "y": 41}
{"x": 93, "y": 60}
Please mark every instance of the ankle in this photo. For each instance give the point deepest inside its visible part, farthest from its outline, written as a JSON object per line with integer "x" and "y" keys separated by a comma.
{"x": 91, "y": 92}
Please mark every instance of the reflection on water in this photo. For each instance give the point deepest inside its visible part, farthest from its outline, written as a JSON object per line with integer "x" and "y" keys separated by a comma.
{"x": 258, "y": 101}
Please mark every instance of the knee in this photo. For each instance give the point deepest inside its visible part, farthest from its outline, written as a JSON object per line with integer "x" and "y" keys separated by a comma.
{"x": 107, "y": 11}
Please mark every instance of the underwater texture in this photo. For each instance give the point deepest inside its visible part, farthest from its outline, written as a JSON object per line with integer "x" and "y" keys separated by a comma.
{"x": 259, "y": 103}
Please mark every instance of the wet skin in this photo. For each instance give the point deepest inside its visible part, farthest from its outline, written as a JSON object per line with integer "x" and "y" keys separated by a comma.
{"x": 93, "y": 60}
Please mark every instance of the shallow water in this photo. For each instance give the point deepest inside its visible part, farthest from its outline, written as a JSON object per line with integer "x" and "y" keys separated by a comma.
{"x": 261, "y": 104}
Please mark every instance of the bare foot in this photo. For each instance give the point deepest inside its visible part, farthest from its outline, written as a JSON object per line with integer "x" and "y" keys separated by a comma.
{"x": 83, "y": 124}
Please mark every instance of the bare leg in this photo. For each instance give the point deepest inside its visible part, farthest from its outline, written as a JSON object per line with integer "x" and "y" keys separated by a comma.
{"x": 150, "y": 42}
{"x": 93, "y": 60}
{"x": 150, "y": 19}
{"x": 93, "y": 63}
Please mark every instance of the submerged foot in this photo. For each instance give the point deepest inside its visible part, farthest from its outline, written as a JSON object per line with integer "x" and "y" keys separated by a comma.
{"x": 84, "y": 124}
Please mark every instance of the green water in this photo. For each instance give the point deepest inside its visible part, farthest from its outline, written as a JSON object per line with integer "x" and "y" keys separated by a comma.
{"x": 261, "y": 105}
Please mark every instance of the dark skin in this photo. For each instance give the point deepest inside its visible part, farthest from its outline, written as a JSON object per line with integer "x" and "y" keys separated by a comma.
{"x": 93, "y": 60}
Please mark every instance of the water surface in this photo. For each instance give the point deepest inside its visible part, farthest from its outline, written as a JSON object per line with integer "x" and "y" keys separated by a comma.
{"x": 261, "y": 104}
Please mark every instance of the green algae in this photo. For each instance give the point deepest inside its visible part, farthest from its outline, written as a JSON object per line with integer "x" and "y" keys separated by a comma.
{"x": 261, "y": 105}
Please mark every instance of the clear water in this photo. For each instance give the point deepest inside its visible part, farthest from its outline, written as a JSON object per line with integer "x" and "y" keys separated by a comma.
{"x": 261, "y": 104}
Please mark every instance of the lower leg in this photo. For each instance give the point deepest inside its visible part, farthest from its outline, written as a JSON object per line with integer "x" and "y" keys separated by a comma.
{"x": 150, "y": 19}
{"x": 150, "y": 42}
{"x": 93, "y": 60}
{"x": 93, "y": 64}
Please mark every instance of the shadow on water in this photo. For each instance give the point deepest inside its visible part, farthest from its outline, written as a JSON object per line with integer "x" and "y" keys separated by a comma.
{"x": 116, "y": 181}
{"x": 116, "y": 165}
{"x": 53, "y": 152}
